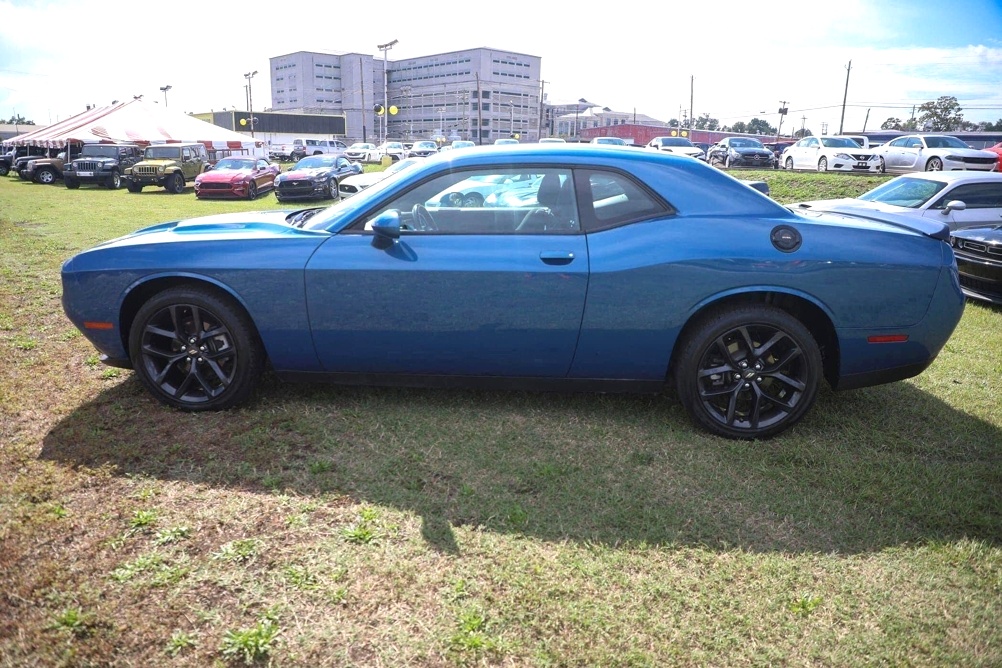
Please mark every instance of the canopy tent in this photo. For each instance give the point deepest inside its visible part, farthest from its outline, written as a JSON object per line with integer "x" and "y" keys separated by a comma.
{"x": 135, "y": 122}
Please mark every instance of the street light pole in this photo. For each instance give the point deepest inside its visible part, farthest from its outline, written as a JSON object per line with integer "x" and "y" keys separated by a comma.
{"x": 511, "y": 119}
{"x": 165, "y": 89}
{"x": 386, "y": 87}
{"x": 250, "y": 99}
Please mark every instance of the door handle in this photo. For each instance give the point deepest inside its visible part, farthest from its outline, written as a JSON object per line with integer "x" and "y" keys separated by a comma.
{"x": 557, "y": 257}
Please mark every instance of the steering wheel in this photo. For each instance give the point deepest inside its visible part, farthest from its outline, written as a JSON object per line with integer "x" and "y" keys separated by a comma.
{"x": 422, "y": 219}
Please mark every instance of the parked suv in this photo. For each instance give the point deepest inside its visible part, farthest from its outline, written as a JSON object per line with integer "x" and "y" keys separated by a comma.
{"x": 102, "y": 164}
{"x": 7, "y": 159}
{"x": 45, "y": 170}
{"x": 167, "y": 165}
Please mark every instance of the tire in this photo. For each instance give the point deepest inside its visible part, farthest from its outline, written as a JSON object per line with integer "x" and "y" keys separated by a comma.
{"x": 4, "y": 169}
{"x": 175, "y": 183}
{"x": 251, "y": 190}
{"x": 934, "y": 165}
{"x": 134, "y": 187}
{"x": 883, "y": 167}
{"x": 46, "y": 175}
{"x": 748, "y": 372}
{"x": 195, "y": 350}
{"x": 72, "y": 184}
{"x": 23, "y": 175}
{"x": 823, "y": 164}
{"x": 789, "y": 164}
{"x": 114, "y": 181}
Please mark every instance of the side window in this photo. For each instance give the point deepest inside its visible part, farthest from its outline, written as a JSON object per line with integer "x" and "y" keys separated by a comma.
{"x": 186, "y": 154}
{"x": 616, "y": 199}
{"x": 974, "y": 195}
{"x": 490, "y": 201}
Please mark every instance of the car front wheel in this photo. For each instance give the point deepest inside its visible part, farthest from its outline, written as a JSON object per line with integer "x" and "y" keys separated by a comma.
{"x": 114, "y": 181}
{"x": 194, "y": 349}
{"x": 934, "y": 165}
{"x": 175, "y": 183}
{"x": 748, "y": 372}
{"x": 45, "y": 175}
{"x": 823, "y": 164}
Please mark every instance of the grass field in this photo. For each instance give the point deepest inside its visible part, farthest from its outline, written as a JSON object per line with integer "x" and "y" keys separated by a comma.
{"x": 327, "y": 526}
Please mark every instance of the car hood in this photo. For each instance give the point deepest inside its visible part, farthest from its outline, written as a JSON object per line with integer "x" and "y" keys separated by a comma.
{"x": 305, "y": 173}
{"x": 988, "y": 234}
{"x": 244, "y": 225}
{"x": 223, "y": 174}
{"x": 751, "y": 150}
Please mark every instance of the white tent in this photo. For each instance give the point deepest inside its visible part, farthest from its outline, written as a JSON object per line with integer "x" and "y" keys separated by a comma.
{"x": 135, "y": 122}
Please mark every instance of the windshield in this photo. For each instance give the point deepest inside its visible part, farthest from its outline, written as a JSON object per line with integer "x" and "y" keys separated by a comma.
{"x": 426, "y": 144}
{"x": 839, "y": 142}
{"x": 316, "y": 161}
{"x": 162, "y": 152}
{"x": 746, "y": 143}
{"x": 904, "y": 191}
{"x": 362, "y": 146}
{"x": 99, "y": 152}
{"x": 235, "y": 163}
{"x": 675, "y": 141}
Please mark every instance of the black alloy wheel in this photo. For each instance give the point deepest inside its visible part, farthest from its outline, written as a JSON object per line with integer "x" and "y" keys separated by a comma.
{"x": 175, "y": 183}
{"x": 251, "y": 190}
{"x": 194, "y": 349}
{"x": 748, "y": 372}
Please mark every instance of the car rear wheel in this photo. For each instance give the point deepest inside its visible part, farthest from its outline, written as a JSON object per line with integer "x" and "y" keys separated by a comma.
{"x": 823, "y": 164}
{"x": 194, "y": 349}
{"x": 251, "y": 190}
{"x": 175, "y": 183}
{"x": 46, "y": 175}
{"x": 789, "y": 164}
{"x": 748, "y": 372}
{"x": 934, "y": 165}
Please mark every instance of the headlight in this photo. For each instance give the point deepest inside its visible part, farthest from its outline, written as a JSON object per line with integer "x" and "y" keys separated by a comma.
{"x": 30, "y": 165}
{"x": 955, "y": 158}
{"x": 843, "y": 156}
{"x": 733, "y": 153}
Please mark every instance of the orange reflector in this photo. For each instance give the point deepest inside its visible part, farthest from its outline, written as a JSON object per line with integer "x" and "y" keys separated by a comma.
{"x": 887, "y": 338}
{"x": 99, "y": 325}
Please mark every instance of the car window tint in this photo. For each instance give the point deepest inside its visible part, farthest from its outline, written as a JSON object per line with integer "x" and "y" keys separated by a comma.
{"x": 615, "y": 199}
{"x": 974, "y": 195}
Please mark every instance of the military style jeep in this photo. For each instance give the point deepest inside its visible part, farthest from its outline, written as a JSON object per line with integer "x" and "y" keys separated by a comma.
{"x": 102, "y": 164}
{"x": 167, "y": 165}
{"x": 8, "y": 159}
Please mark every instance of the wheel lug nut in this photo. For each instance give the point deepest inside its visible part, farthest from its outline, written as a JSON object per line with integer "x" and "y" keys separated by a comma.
{"x": 747, "y": 384}
{"x": 759, "y": 379}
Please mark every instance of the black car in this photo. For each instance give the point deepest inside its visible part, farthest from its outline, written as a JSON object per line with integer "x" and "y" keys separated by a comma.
{"x": 314, "y": 177}
{"x": 979, "y": 259}
{"x": 740, "y": 152}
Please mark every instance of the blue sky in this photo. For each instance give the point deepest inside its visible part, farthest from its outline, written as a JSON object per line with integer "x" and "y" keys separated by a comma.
{"x": 740, "y": 58}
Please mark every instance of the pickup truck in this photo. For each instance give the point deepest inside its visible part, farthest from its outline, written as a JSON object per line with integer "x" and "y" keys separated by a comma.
{"x": 300, "y": 148}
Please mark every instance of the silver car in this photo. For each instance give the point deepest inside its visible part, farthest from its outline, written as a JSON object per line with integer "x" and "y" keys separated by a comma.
{"x": 932, "y": 153}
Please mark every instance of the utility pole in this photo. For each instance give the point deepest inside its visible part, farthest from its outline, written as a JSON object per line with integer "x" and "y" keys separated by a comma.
{"x": 783, "y": 109}
{"x": 692, "y": 84}
{"x": 542, "y": 89}
{"x": 848, "y": 69}
{"x": 803, "y": 126}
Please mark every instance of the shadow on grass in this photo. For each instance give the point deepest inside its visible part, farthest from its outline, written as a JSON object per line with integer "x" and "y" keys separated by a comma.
{"x": 866, "y": 470}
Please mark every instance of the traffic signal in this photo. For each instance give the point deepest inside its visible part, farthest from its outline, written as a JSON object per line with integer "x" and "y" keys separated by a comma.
{"x": 378, "y": 108}
{"x": 393, "y": 110}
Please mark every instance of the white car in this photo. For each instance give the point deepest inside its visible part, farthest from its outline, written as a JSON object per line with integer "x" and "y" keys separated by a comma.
{"x": 394, "y": 149}
{"x": 609, "y": 141}
{"x": 835, "y": 154}
{"x": 362, "y": 152}
{"x": 959, "y": 199}
{"x": 678, "y": 145}
{"x": 932, "y": 153}
{"x": 553, "y": 140}
{"x": 352, "y": 185}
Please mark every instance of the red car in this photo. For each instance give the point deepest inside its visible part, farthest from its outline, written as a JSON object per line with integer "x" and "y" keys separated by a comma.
{"x": 997, "y": 150}
{"x": 245, "y": 177}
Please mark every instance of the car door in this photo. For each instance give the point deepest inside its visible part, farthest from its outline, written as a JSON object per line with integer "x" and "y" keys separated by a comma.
{"x": 982, "y": 205}
{"x": 476, "y": 296}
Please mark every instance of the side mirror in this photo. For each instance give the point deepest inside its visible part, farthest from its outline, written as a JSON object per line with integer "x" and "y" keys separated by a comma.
{"x": 954, "y": 205}
{"x": 386, "y": 229}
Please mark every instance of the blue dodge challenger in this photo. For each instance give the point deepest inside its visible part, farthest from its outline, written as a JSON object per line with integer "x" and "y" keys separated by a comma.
{"x": 578, "y": 267}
